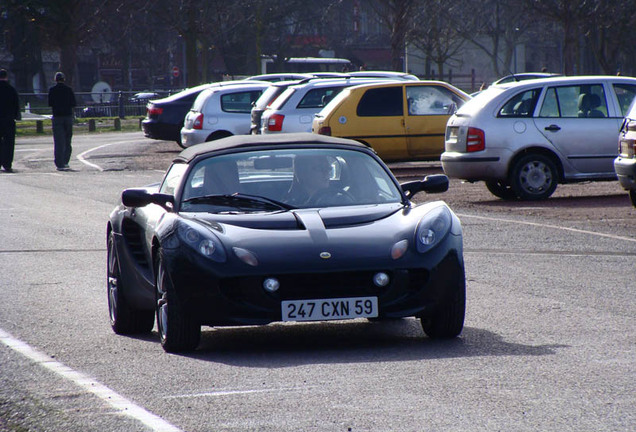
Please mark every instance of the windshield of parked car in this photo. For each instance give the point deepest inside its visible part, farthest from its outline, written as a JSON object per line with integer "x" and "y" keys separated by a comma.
{"x": 279, "y": 180}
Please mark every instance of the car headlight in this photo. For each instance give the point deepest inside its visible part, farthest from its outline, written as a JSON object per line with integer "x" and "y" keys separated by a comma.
{"x": 202, "y": 240}
{"x": 433, "y": 228}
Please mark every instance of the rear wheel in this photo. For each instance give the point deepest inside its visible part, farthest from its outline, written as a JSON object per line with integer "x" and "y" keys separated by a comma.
{"x": 632, "y": 196}
{"x": 534, "y": 177}
{"x": 177, "y": 330}
{"x": 447, "y": 321}
{"x": 124, "y": 319}
{"x": 501, "y": 189}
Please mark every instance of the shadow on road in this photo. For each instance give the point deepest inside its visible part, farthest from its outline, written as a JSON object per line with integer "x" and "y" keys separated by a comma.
{"x": 285, "y": 345}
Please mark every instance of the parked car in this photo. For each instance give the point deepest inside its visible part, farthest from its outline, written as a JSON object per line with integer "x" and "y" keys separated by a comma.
{"x": 277, "y": 77}
{"x": 523, "y": 76}
{"x": 254, "y": 229}
{"x": 219, "y": 112}
{"x": 164, "y": 117}
{"x": 384, "y": 74}
{"x": 524, "y": 138}
{"x": 275, "y": 90}
{"x": 294, "y": 109}
{"x": 625, "y": 163}
{"x": 399, "y": 120}
{"x": 267, "y": 98}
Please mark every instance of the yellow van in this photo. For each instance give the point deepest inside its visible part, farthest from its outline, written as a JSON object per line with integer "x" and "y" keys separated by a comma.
{"x": 399, "y": 120}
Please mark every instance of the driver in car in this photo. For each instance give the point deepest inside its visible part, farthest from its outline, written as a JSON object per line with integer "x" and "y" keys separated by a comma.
{"x": 311, "y": 180}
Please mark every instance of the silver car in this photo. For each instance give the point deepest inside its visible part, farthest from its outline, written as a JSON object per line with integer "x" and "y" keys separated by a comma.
{"x": 219, "y": 112}
{"x": 294, "y": 109}
{"x": 524, "y": 138}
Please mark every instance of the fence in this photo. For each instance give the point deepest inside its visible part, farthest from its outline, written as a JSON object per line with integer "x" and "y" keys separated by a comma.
{"x": 104, "y": 104}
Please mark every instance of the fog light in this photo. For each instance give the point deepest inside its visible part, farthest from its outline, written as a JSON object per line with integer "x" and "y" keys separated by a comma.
{"x": 271, "y": 284}
{"x": 381, "y": 279}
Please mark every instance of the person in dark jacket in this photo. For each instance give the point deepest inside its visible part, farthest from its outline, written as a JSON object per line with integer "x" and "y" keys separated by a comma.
{"x": 62, "y": 100}
{"x": 9, "y": 113}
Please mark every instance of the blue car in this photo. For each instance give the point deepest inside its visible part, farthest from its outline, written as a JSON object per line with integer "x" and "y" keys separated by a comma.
{"x": 254, "y": 229}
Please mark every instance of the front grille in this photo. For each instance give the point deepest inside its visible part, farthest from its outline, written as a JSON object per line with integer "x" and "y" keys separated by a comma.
{"x": 305, "y": 286}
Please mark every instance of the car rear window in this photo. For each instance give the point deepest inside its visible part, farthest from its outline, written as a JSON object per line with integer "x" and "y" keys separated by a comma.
{"x": 269, "y": 95}
{"x": 318, "y": 97}
{"x": 381, "y": 102}
{"x": 520, "y": 105}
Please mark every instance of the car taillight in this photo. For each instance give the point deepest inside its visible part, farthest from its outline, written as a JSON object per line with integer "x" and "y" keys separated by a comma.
{"x": 325, "y": 130}
{"x": 275, "y": 123}
{"x": 475, "y": 140}
{"x": 198, "y": 122}
{"x": 153, "y": 110}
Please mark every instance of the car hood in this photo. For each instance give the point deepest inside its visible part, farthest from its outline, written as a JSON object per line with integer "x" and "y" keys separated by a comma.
{"x": 352, "y": 237}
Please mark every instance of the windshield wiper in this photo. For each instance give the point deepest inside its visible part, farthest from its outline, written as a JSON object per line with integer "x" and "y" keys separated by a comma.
{"x": 240, "y": 200}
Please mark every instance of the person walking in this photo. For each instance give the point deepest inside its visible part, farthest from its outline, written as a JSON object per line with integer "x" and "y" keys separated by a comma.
{"x": 62, "y": 100}
{"x": 9, "y": 113}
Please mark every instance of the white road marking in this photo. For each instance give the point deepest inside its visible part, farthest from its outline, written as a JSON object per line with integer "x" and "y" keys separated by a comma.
{"x": 80, "y": 157}
{"x": 576, "y": 230}
{"x": 120, "y": 403}
{"x": 235, "y": 392}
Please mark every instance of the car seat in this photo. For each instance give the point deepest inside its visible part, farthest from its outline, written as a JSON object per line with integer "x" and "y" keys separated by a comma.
{"x": 588, "y": 104}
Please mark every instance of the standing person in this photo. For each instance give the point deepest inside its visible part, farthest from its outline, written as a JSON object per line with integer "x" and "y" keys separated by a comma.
{"x": 9, "y": 113}
{"x": 62, "y": 100}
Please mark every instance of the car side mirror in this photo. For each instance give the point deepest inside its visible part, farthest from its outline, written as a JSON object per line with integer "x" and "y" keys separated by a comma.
{"x": 434, "y": 183}
{"x": 139, "y": 197}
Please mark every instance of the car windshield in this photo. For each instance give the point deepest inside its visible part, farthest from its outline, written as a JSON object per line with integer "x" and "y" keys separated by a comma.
{"x": 280, "y": 180}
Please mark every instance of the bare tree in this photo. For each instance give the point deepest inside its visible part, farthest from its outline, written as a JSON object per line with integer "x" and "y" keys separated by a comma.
{"x": 397, "y": 16}
{"x": 496, "y": 27}
{"x": 609, "y": 31}
{"x": 573, "y": 16}
{"x": 434, "y": 33}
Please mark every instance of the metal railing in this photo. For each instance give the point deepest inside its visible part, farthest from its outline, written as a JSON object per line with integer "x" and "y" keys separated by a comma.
{"x": 105, "y": 104}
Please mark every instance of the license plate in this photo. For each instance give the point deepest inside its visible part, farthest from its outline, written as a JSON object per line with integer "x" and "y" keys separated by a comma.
{"x": 330, "y": 309}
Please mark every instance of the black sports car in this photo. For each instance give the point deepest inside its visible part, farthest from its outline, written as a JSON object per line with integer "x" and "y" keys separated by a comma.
{"x": 253, "y": 229}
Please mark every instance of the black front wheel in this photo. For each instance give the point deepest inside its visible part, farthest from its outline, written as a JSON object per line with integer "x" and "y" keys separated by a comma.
{"x": 124, "y": 319}
{"x": 177, "y": 330}
{"x": 447, "y": 321}
{"x": 632, "y": 196}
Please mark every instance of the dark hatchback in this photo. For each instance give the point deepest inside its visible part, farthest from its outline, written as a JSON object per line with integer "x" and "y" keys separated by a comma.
{"x": 164, "y": 117}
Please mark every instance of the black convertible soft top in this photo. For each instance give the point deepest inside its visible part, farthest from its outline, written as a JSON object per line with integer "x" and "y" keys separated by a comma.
{"x": 237, "y": 141}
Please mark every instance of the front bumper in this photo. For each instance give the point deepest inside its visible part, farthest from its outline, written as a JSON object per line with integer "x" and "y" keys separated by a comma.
{"x": 242, "y": 300}
{"x": 626, "y": 172}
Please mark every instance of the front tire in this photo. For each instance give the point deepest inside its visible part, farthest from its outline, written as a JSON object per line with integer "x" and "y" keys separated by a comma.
{"x": 534, "y": 177}
{"x": 447, "y": 321}
{"x": 632, "y": 196}
{"x": 124, "y": 319}
{"x": 177, "y": 330}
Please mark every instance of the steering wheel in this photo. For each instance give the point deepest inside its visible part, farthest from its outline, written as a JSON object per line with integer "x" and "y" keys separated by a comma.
{"x": 329, "y": 196}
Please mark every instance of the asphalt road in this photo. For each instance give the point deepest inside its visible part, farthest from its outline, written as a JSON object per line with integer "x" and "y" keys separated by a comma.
{"x": 548, "y": 345}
